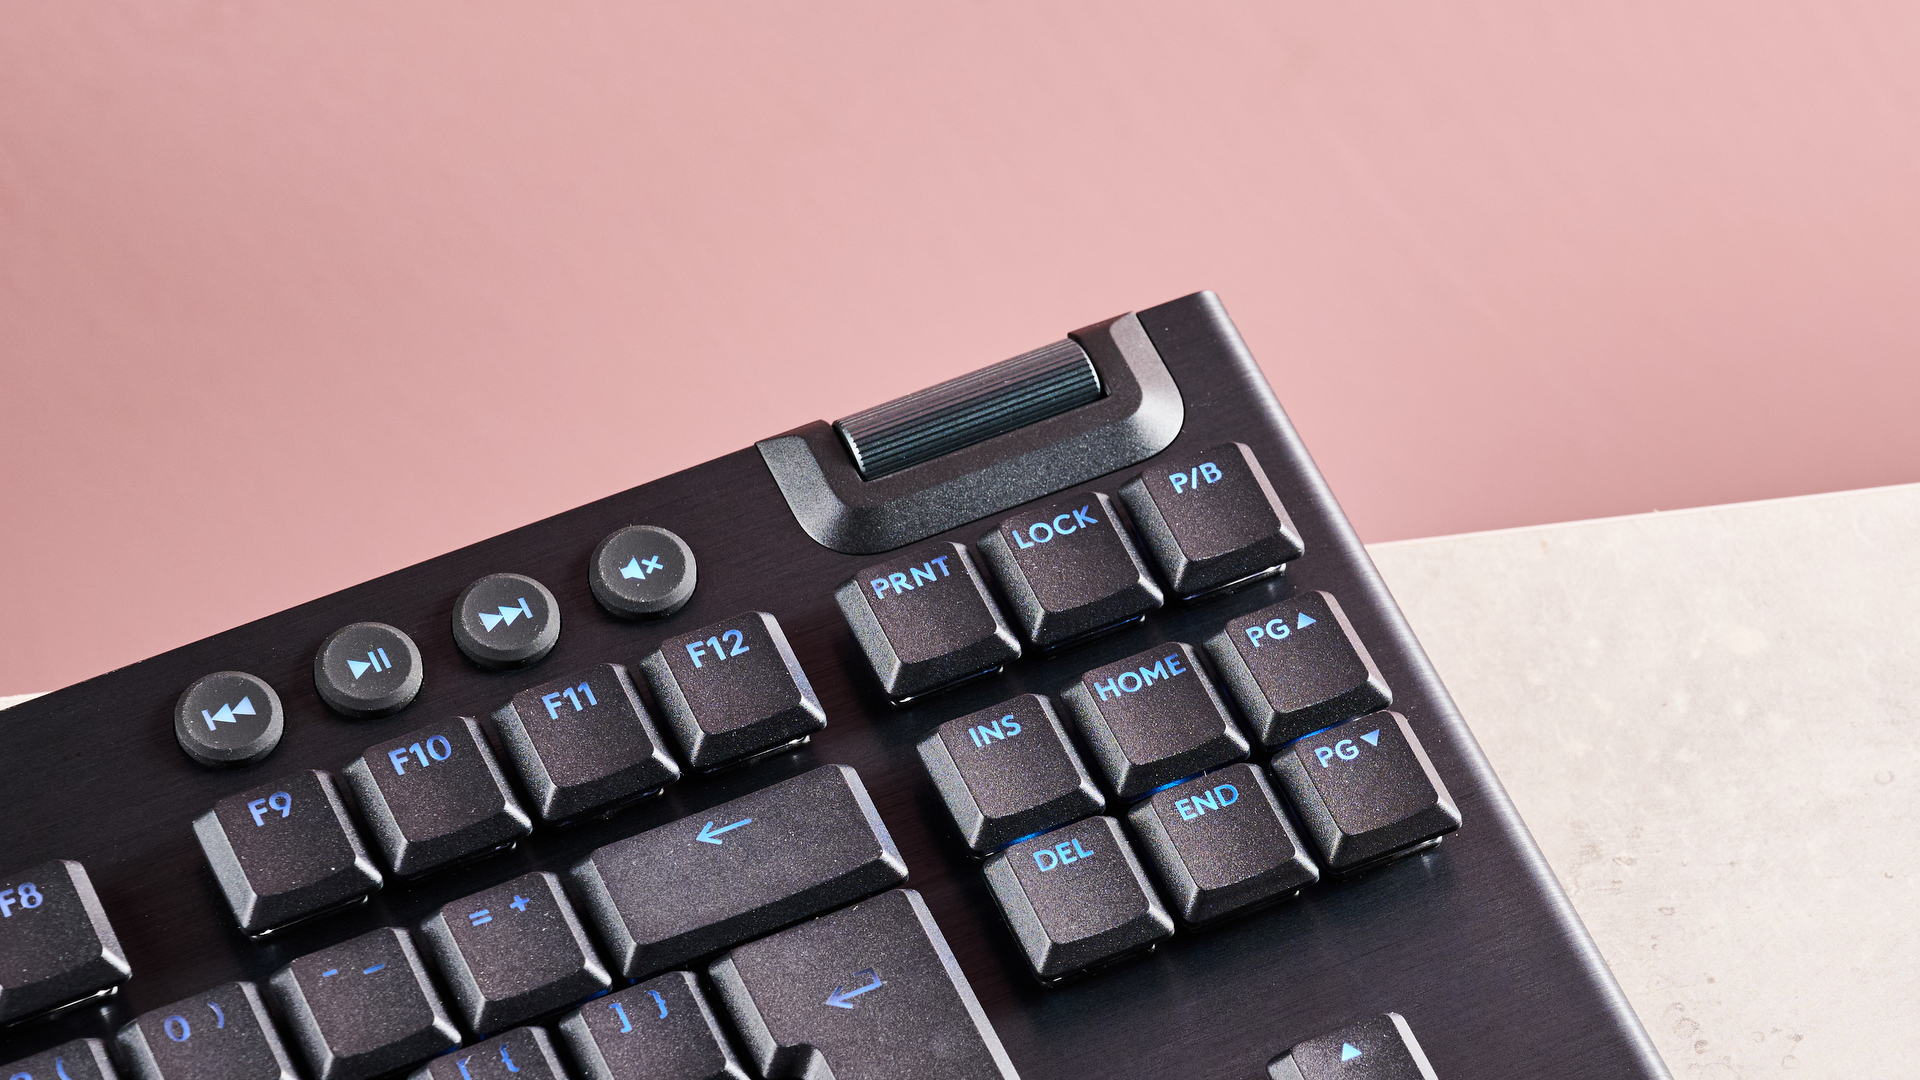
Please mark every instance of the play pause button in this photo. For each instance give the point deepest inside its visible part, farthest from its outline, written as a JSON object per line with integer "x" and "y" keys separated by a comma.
{"x": 367, "y": 669}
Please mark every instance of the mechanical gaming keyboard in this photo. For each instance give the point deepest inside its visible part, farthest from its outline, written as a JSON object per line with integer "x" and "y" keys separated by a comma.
{"x": 1051, "y": 722}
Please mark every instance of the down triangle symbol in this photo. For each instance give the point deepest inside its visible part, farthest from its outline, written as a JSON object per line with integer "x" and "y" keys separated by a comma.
{"x": 1307, "y": 620}
{"x": 1348, "y": 1051}
{"x": 358, "y": 667}
{"x": 245, "y": 708}
{"x": 1372, "y": 737}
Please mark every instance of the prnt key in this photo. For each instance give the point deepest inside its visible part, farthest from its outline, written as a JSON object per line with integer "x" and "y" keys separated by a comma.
{"x": 435, "y": 796}
{"x": 745, "y": 867}
{"x": 284, "y": 851}
{"x": 1069, "y": 569}
{"x": 512, "y": 952}
{"x": 363, "y": 1007}
{"x": 732, "y": 690}
{"x": 661, "y": 1029}
{"x": 1153, "y": 718}
{"x": 868, "y": 993}
{"x": 1295, "y": 667}
{"x": 56, "y": 945}
{"x": 1221, "y": 844}
{"x": 521, "y": 1054}
{"x": 1211, "y": 519}
{"x": 1377, "y": 1048}
{"x": 1008, "y": 772}
{"x": 1366, "y": 791}
{"x": 81, "y": 1059}
{"x": 223, "y": 1034}
{"x": 1075, "y": 897}
{"x": 583, "y": 743}
{"x": 924, "y": 619}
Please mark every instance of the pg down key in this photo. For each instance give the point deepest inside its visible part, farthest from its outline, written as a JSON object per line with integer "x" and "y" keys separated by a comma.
{"x": 1366, "y": 791}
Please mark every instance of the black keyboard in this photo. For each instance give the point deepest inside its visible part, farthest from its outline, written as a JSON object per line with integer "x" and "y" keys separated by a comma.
{"x": 1051, "y": 722}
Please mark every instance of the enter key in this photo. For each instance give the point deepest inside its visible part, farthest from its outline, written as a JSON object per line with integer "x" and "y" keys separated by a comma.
{"x": 868, "y": 992}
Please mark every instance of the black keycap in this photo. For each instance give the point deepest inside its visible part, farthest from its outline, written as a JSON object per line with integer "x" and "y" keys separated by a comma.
{"x": 642, "y": 572}
{"x": 661, "y": 1029}
{"x": 228, "y": 719}
{"x": 368, "y": 669}
{"x": 1296, "y": 667}
{"x": 1366, "y": 791}
{"x": 868, "y": 993}
{"x": 710, "y": 880}
{"x": 1220, "y": 844}
{"x": 1152, "y": 718}
{"x": 1211, "y": 519}
{"x": 521, "y": 1054}
{"x": 506, "y": 621}
{"x": 512, "y": 952}
{"x": 1008, "y": 772}
{"x": 81, "y": 1059}
{"x": 362, "y": 1008}
{"x": 285, "y": 851}
{"x": 223, "y": 1034}
{"x": 435, "y": 796}
{"x": 924, "y": 619}
{"x": 1068, "y": 569}
{"x": 56, "y": 945}
{"x": 732, "y": 690}
{"x": 583, "y": 743}
{"x": 1377, "y": 1048}
{"x": 1076, "y": 897}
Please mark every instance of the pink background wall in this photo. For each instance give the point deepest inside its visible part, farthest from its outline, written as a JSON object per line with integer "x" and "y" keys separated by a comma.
{"x": 296, "y": 294}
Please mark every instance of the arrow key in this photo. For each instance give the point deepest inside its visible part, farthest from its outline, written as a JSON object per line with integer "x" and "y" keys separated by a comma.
{"x": 870, "y": 991}
{"x": 1377, "y": 1048}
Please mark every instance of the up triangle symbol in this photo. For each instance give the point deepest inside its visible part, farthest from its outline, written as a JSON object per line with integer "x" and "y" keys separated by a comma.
{"x": 245, "y": 708}
{"x": 1348, "y": 1051}
{"x": 1372, "y": 737}
{"x": 1306, "y": 620}
{"x": 358, "y": 667}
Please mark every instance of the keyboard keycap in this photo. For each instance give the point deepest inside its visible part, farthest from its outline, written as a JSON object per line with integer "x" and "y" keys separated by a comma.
{"x": 512, "y": 952}
{"x": 56, "y": 945}
{"x": 285, "y": 851}
{"x": 1211, "y": 519}
{"x": 1069, "y": 569}
{"x": 1153, "y": 718}
{"x": 642, "y": 572}
{"x": 1008, "y": 772}
{"x": 732, "y": 690}
{"x": 81, "y": 1059}
{"x": 711, "y": 880}
{"x": 228, "y": 719}
{"x": 223, "y": 1034}
{"x": 1296, "y": 667}
{"x": 362, "y": 1008}
{"x": 868, "y": 993}
{"x": 1366, "y": 791}
{"x": 1076, "y": 897}
{"x": 435, "y": 796}
{"x": 1377, "y": 1048}
{"x": 521, "y": 1054}
{"x": 506, "y": 621}
{"x": 583, "y": 743}
{"x": 661, "y": 1029}
{"x": 368, "y": 669}
{"x": 1220, "y": 844}
{"x": 925, "y": 619}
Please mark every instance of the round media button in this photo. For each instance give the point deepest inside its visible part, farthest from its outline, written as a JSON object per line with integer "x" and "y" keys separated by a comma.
{"x": 506, "y": 620}
{"x": 642, "y": 571}
{"x": 228, "y": 719}
{"x": 367, "y": 669}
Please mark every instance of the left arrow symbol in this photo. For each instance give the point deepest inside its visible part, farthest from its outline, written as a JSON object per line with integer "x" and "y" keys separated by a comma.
{"x": 711, "y": 835}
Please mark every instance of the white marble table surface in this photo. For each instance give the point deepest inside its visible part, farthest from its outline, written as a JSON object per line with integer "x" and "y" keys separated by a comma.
{"x": 1708, "y": 719}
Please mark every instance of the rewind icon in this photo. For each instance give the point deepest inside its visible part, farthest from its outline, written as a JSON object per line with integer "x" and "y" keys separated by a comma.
{"x": 228, "y": 712}
{"x": 506, "y": 614}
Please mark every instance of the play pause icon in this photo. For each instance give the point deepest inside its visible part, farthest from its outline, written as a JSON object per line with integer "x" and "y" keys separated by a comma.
{"x": 376, "y": 661}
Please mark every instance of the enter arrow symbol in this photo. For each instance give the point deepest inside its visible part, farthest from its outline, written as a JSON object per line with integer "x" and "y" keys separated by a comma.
{"x": 842, "y": 998}
{"x": 711, "y": 835}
